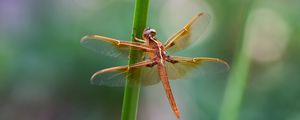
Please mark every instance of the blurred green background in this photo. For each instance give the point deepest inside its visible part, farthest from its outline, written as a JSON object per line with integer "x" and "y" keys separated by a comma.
{"x": 44, "y": 71}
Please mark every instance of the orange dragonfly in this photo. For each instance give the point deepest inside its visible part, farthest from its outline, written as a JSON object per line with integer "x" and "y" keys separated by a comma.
{"x": 158, "y": 66}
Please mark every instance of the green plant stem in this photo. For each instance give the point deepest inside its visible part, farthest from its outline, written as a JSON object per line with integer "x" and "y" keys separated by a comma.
{"x": 235, "y": 87}
{"x": 239, "y": 73}
{"x": 132, "y": 87}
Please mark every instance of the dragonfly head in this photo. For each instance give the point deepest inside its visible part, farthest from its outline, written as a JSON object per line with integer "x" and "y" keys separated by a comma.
{"x": 148, "y": 32}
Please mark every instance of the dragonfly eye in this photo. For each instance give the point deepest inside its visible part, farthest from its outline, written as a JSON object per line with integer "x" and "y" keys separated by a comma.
{"x": 149, "y": 31}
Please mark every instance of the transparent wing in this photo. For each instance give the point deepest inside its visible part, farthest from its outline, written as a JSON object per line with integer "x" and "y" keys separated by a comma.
{"x": 190, "y": 33}
{"x": 184, "y": 66}
{"x": 150, "y": 76}
{"x": 116, "y": 76}
{"x": 111, "y": 47}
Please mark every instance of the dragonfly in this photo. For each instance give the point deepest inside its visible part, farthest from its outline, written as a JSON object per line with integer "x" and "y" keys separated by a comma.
{"x": 158, "y": 65}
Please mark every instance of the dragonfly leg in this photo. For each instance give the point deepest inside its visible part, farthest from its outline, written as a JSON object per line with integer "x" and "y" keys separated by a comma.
{"x": 138, "y": 39}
